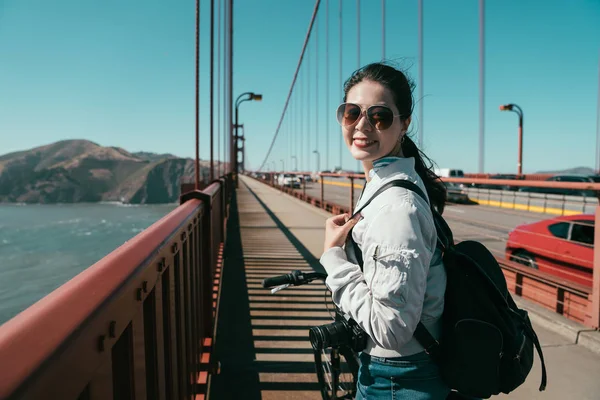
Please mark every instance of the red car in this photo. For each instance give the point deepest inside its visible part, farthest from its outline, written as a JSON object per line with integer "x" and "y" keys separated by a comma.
{"x": 562, "y": 246}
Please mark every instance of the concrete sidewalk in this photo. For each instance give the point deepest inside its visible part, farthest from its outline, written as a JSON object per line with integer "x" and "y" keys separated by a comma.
{"x": 572, "y": 369}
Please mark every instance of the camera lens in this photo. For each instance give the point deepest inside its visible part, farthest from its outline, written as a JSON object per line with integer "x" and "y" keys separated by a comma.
{"x": 330, "y": 335}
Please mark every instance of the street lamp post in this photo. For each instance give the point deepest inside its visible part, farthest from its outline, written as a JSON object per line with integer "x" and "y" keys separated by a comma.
{"x": 515, "y": 108}
{"x": 318, "y": 160}
{"x": 295, "y": 163}
{"x": 243, "y": 148}
{"x": 282, "y": 165}
{"x": 247, "y": 96}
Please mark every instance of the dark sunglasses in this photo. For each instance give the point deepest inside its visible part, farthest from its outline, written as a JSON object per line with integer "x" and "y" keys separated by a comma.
{"x": 380, "y": 117}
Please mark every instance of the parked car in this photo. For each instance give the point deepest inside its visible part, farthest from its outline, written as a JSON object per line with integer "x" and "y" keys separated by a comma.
{"x": 289, "y": 180}
{"x": 562, "y": 246}
{"x": 455, "y": 193}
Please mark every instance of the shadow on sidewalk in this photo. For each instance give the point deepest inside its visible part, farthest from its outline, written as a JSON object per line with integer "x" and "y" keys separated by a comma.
{"x": 262, "y": 339}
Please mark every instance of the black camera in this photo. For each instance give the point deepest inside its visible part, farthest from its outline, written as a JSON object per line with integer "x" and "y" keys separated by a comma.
{"x": 338, "y": 333}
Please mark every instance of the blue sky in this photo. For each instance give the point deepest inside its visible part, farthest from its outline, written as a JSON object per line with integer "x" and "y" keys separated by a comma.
{"x": 121, "y": 73}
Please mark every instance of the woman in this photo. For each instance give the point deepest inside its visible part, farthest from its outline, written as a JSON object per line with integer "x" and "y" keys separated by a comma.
{"x": 403, "y": 279}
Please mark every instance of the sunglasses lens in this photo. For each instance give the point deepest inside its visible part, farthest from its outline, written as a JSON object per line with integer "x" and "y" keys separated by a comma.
{"x": 348, "y": 114}
{"x": 380, "y": 117}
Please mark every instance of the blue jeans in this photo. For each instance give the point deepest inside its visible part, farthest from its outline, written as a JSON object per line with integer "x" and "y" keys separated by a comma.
{"x": 414, "y": 377}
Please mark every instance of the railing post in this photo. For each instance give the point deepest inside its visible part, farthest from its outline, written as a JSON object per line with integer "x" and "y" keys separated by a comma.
{"x": 594, "y": 314}
{"x": 351, "y": 194}
{"x": 322, "y": 191}
{"x": 303, "y": 187}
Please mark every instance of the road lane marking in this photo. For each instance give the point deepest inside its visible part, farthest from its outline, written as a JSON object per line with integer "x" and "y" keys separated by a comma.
{"x": 492, "y": 203}
{"x": 525, "y": 207}
{"x": 343, "y": 184}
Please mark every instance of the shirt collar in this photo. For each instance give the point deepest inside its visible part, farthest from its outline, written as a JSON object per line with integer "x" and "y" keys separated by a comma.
{"x": 388, "y": 165}
{"x": 381, "y": 163}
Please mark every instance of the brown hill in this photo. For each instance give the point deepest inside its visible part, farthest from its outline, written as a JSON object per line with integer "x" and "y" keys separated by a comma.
{"x": 80, "y": 170}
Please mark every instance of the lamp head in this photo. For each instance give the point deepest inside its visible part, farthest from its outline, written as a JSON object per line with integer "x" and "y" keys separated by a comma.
{"x": 255, "y": 96}
{"x": 506, "y": 107}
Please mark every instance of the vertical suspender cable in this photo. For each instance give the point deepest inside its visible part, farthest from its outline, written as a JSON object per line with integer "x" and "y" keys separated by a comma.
{"x": 219, "y": 87}
{"x": 225, "y": 91}
{"x": 308, "y": 60}
{"x": 301, "y": 90}
{"x": 598, "y": 121}
{"x": 421, "y": 100}
{"x": 296, "y": 130}
{"x": 357, "y": 34}
{"x": 294, "y": 138}
{"x": 212, "y": 87}
{"x": 226, "y": 138}
{"x": 287, "y": 137}
{"x": 340, "y": 72}
{"x": 317, "y": 91}
{"x": 327, "y": 84}
{"x": 197, "y": 163}
{"x": 383, "y": 29}
{"x": 233, "y": 148}
{"x": 481, "y": 84}
{"x": 358, "y": 163}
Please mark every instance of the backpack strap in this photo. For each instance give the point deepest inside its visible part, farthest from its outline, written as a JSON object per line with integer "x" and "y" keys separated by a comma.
{"x": 395, "y": 183}
{"x": 445, "y": 240}
{"x": 444, "y": 233}
{"x": 534, "y": 338}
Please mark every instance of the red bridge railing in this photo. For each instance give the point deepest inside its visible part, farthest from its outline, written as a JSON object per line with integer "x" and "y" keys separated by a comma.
{"x": 130, "y": 326}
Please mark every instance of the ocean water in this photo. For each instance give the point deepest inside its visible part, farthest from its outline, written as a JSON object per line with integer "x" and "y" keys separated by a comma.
{"x": 43, "y": 246}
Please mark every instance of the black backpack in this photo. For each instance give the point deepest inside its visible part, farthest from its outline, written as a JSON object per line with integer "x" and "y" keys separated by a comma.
{"x": 486, "y": 346}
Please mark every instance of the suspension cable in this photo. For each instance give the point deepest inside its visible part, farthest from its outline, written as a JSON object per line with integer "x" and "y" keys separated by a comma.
{"x": 312, "y": 20}
{"x": 224, "y": 87}
{"x": 212, "y": 88}
{"x": 197, "y": 161}
{"x": 317, "y": 96}
{"x": 358, "y": 163}
{"x": 340, "y": 67}
{"x": 421, "y": 74}
{"x": 308, "y": 109}
{"x": 301, "y": 91}
{"x": 327, "y": 84}
{"x": 219, "y": 88}
{"x": 382, "y": 30}
{"x": 232, "y": 144}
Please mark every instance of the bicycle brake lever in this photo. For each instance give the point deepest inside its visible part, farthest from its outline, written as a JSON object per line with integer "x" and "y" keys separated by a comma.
{"x": 278, "y": 288}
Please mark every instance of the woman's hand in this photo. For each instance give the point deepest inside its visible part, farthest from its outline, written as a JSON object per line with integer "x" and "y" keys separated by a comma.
{"x": 337, "y": 228}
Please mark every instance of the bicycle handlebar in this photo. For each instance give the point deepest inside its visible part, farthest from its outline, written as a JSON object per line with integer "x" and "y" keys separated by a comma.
{"x": 296, "y": 278}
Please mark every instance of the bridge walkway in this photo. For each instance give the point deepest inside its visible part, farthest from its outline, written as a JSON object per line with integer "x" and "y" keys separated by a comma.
{"x": 262, "y": 339}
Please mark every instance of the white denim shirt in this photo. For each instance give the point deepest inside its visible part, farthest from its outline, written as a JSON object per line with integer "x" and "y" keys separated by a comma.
{"x": 403, "y": 279}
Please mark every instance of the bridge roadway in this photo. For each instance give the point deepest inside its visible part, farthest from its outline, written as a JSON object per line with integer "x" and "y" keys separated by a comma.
{"x": 337, "y": 190}
{"x": 262, "y": 339}
{"x": 489, "y": 225}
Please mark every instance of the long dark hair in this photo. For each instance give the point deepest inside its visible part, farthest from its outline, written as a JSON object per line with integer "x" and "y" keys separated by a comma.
{"x": 402, "y": 91}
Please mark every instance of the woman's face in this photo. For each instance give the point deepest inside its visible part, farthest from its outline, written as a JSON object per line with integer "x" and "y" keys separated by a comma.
{"x": 365, "y": 142}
